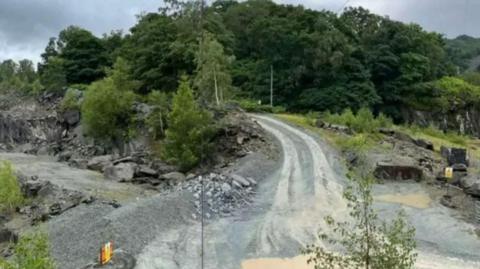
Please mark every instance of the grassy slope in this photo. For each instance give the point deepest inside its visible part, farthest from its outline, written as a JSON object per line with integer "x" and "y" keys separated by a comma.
{"x": 343, "y": 142}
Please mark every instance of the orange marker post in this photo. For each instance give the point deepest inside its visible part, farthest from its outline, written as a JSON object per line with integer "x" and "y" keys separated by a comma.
{"x": 106, "y": 253}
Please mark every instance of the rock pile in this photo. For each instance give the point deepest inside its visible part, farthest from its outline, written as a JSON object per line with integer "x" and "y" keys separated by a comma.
{"x": 48, "y": 199}
{"x": 223, "y": 194}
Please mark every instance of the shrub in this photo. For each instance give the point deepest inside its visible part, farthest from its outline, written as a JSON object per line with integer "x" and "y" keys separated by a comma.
{"x": 312, "y": 118}
{"x": 362, "y": 122}
{"x": 367, "y": 241}
{"x": 32, "y": 252}
{"x": 189, "y": 131}
{"x": 107, "y": 108}
{"x": 70, "y": 101}
{"x": 355, "y": 143}
{"x": 10, "y": 192}
{"x": 254, "y": 106}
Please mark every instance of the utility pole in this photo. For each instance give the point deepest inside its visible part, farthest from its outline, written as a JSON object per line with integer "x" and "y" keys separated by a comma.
{"x": 271, "y": 85}
{"x": 202, "y": 246}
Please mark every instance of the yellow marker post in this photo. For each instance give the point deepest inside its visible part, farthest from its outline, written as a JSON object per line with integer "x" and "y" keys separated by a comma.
{"x": 106, "y": 253}
{"x": 449, "y": 172}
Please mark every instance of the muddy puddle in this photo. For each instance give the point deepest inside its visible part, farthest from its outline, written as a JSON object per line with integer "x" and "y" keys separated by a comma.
{"x": 299, "y": 262}
{"x": 416, "y": 200}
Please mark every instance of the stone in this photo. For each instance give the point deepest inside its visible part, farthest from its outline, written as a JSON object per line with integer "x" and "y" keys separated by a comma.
{"x": 402, "y": 172}
{"x": 226, "y": 188}
{"x": 8, "y": 236}
{"x": 162, "y": 167}
{"x": 145, "y": 171}
{"x": 78, "y": 163}
{"x": 173, "y": 176}
{"x": 252, "y": 181}
{"x": 98, "y": 163}
{"x": 459, "y": 167}
{"x": 447, "y": 201}
{"x": 424, "y": 144}
{"x": 240, "y": 139}
{"x": 471, "y": 185}
{"x": 320, "y": 123}
{"x": 122, "y": 172}
{"x": 64, "y": 156}
{"x": 241, "y": 180}
{"x": 123, "y": 160}
{"x": 403, "y": 137}
{"x": 71, "y": 117}
{"x": 455, "y": 155}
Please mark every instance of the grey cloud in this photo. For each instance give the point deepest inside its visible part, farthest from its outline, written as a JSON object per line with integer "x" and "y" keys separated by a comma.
{"x": 26, "y": 25}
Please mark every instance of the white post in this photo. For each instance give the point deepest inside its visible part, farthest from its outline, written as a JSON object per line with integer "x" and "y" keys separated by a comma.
{"x": 271, "y": 85}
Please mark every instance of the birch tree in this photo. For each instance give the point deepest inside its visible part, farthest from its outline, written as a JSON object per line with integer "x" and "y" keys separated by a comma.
{"x": 212, "y": 81}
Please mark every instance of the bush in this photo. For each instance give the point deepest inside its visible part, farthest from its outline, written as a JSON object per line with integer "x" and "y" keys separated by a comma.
{"x": 362, "y": 122}
{"x": 253, "y": 106}
{"x": 107, "y": 108}
{"x": 10, "y": 192}
{"x": 189, "y": 131}
{"x": 32, "y": 252}
{"x": 312, "y": 118}
{"x": 355, "y": 143}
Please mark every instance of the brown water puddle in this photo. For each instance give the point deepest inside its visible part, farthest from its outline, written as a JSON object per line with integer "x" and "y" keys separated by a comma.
{"x": 417, "y": 200}
{"x": 299, "y": 262}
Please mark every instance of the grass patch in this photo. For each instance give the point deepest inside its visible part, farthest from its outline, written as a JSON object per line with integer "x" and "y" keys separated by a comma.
{"x": 357, "y": 142}
{"x": 32, "y": 251}
{"x": 10, "y": 192}
{"x": 440, "y": 138}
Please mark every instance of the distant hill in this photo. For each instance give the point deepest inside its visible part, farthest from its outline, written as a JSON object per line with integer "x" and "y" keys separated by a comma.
{"x": 464, "y": 51}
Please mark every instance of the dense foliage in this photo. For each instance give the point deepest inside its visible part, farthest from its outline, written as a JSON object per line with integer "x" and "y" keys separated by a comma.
{"x": 19, "y": 76}
{"x": 318, "y": 60}
{"x": 462, "y": 50}
{"x": 32, "y": 252}
{"x": 189, "y": 131}
{"x": 107, "y": 107}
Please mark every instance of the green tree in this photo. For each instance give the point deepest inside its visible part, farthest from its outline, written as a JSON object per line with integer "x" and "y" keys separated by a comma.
{"x": 160, "y": 107}
{"x": 364, "y": 240}
{"x": 10, "y": 192}
{"x": 213, "y": 79}
{"x": 107, "y": 106}
{"x": 53, "y": 76}
{"x": 32, "y": 252}
{"x": 189, "y": 132}
{"x": 149, "y": 50}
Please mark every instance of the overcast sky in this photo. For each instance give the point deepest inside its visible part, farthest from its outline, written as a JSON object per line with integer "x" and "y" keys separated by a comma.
{"x": 26, "y": 25}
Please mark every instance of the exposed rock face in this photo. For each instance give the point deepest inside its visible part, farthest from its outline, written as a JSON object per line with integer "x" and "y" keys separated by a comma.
{"x": 455, "y": 155}
{"x": 400, "y": 172}
{"x": 463, "y": 120}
